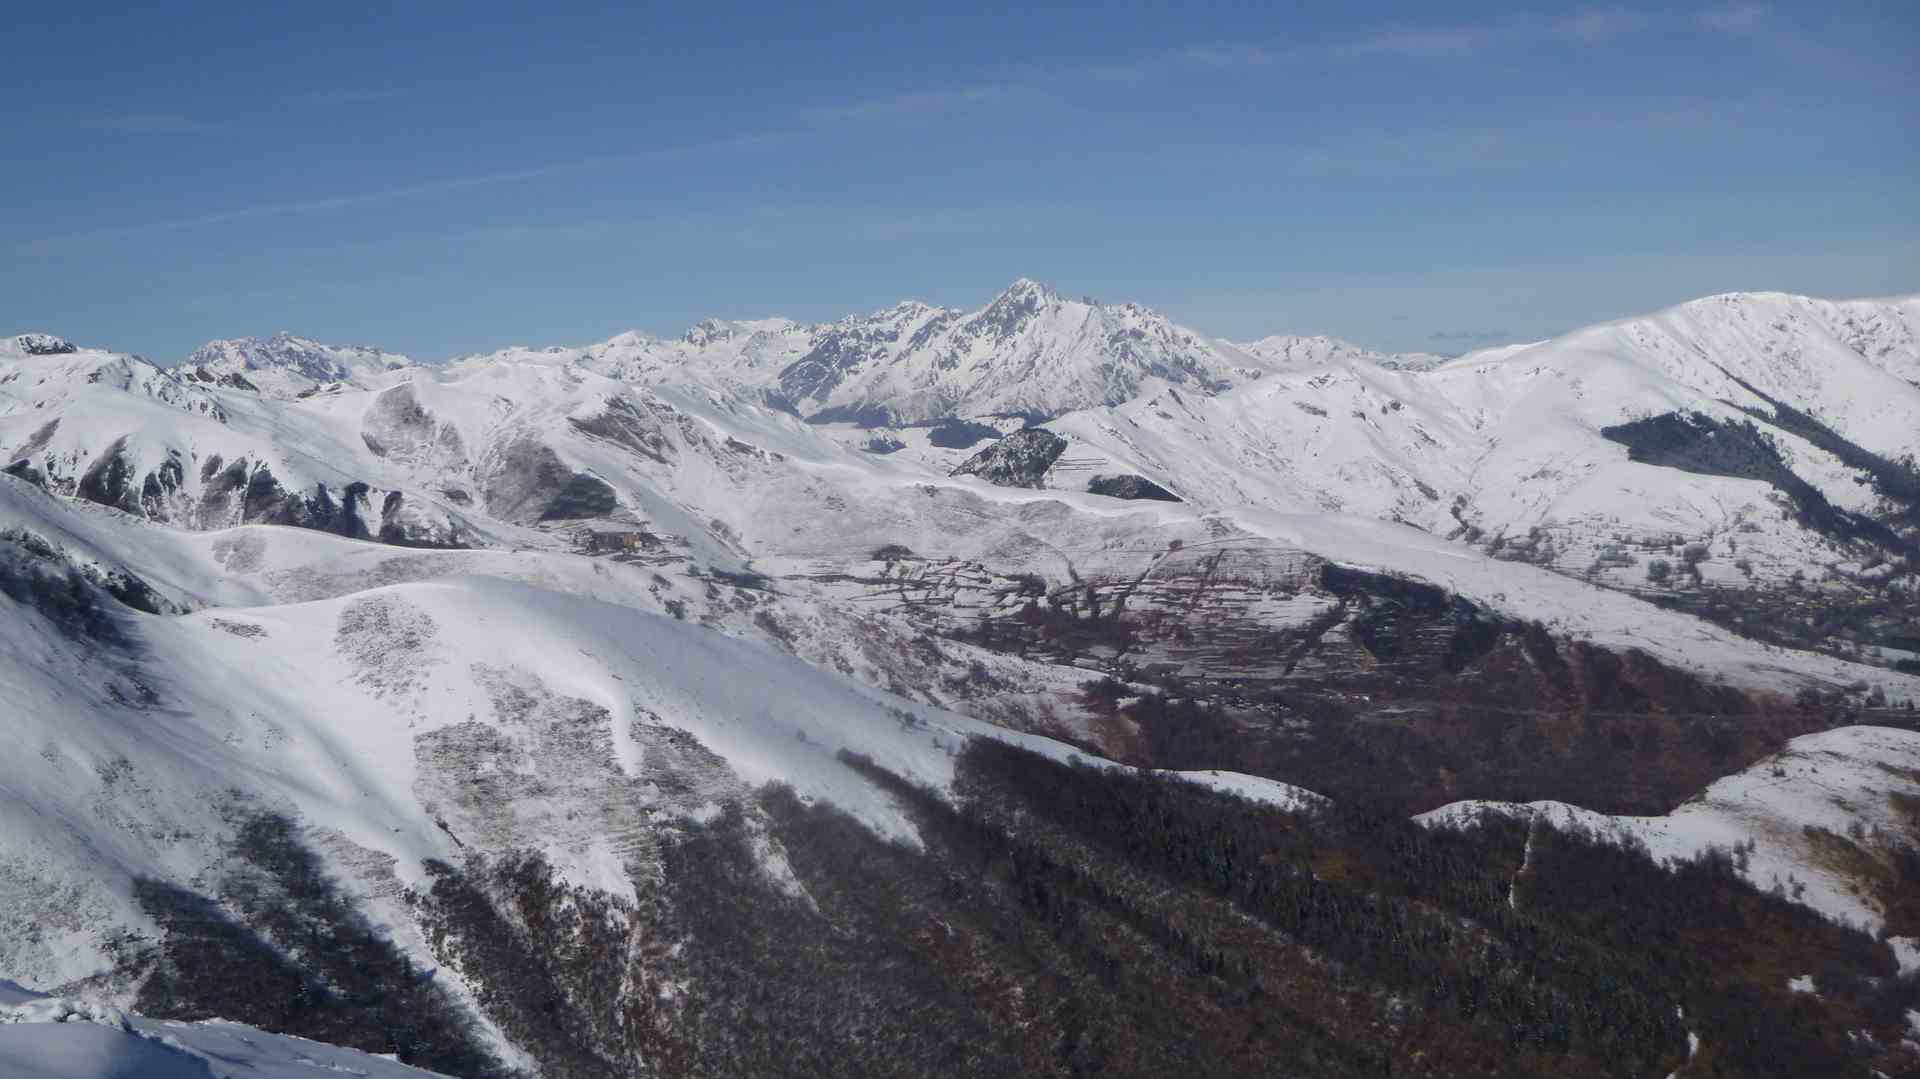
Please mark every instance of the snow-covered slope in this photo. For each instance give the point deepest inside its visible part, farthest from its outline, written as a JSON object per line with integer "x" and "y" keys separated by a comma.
{"x": 1886, "y": 332}
{"x": 1517, "y": 430}
{"x": 44, "y": 1037}
{"x": 742, "y": 356}
{"x": 119, "y": 431}
{"x": 372, "y": 712}
{"x": 469, "y": 455}
{"x": 1749, "y": 350}
{"x": 1531, "y": 450}
{"x": 1349, "y": 438}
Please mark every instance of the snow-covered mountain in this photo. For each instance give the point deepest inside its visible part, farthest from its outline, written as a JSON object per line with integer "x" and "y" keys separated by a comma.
{"x": 1029, "y": 351}
{"x": 742, "y": 355}
{"x": 1497, "y": 425}
{"x": 1594, "y": 453}
{"x": 624, "y": 702}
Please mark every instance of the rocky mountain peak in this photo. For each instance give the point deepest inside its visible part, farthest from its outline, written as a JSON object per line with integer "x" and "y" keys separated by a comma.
{"x": 1027, "y": 286}
{"x": 708, "y": 331}
{"x": 1020, "y": 302}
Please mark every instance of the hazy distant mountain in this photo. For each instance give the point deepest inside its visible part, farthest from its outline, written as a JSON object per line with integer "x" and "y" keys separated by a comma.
{"x": 285, "y": 366}
{"x": 1286, "y": 351}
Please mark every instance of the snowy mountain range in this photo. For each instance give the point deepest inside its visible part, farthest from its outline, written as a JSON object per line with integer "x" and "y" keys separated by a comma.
{"x": 642, "y": 706}
{"x": 1029, "y": 352}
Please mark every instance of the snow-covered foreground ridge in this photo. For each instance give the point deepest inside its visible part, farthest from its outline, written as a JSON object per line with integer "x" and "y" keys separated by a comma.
{"x": 399, "y": 710}
{"x": 1793, "y": 818}
{"x": 44, "y": 1037}
{"x": 372, "y": 714}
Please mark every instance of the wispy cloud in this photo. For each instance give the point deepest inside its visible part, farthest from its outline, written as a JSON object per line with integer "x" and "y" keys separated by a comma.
{"x": 1425, "y": 153}
{"x": 352, "y": 95}
{"x": 1468, "y": 337}
{"x": 879, "y": 109}
{"x": 1735, "y": 18}
{"x": 443, "y": 186}
{"x": 742, "y": 142}
{"x": 912, "y": 104}
{"x": 1422, "y": 42}
{"x": 1586, "y": 27}
{"x": 1598, "y": 26}
{"x": 152, "y": 123}
{"x": 760, "y": 226}
{"x": 1589, "y": 27}
{"x": 1172, "y": 62}
{"x": 1230, "y": 57}
{"x": 932, "y": 223}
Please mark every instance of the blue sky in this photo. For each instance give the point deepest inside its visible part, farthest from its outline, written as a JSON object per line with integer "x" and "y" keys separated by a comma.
{"x": 442, "y": 179}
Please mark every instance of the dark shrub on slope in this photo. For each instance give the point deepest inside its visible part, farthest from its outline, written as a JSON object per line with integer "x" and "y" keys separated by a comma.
{"x": 1696, "y": 442}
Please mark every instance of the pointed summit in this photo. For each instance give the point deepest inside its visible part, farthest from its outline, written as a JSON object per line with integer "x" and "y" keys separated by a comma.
{"x": 1025, "y": 290}
{"x": 707, "y": 331}
{"x": 1020, "y": 301}
{"x": 1029, "y": 352}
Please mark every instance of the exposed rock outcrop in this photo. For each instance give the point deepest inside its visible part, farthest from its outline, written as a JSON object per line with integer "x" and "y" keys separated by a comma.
{"x": 1019, "y": 460}
{"x": 1130, "y": 487}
